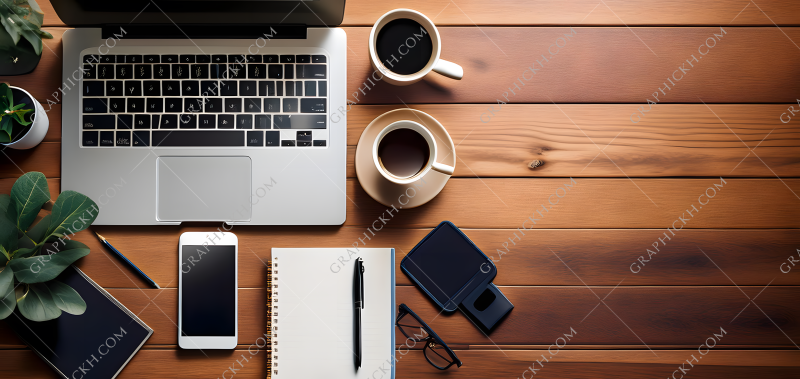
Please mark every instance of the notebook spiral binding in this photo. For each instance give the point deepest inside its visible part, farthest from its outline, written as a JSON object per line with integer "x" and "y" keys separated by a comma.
{"x": 272, "y": 320}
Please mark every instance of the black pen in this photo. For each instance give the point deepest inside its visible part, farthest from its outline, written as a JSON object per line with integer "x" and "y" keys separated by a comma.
{"x": 358, "y": 305}
{"x": 115, "y": 251}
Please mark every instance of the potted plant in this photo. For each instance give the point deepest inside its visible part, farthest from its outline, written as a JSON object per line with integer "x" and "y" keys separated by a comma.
{"x": 21, "y": 127}
{"x": 20, "y": 18}
{"x": 33, "y": 255}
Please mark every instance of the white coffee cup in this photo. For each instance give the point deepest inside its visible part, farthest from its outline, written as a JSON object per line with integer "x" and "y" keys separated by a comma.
{"x": 435, "y": 63}
{"x": 433, "y": 149}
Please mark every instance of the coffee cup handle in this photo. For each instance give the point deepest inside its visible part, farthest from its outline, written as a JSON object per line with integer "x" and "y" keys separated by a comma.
{"x": 443, "y": 168}
{"x": 449, "y": 69}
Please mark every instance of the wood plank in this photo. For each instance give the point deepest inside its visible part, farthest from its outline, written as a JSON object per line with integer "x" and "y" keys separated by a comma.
{"x": 597, "y": 65}
{"x": 477, "y": 364}
{"x": 599, "y": 257}
{"x": 590, "y": 204}
{"x": 583, "y": 12}
{"x": 658, "y": 315}
{"x": 668, "y": 145}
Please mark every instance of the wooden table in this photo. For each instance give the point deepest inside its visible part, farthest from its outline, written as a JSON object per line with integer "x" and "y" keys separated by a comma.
{"x": 714, "y": 139}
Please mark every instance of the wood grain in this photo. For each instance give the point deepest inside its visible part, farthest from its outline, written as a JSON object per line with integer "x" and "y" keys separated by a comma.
{"x": 597, "y": 65}
{"x": 670, "y": 143}
{"x": 590, "y": 203}
{"x": 579, "y": 12}
{"x": 598, "y": 257}
{"x": 683, "y": 316}
{"x": 742, "y": 364}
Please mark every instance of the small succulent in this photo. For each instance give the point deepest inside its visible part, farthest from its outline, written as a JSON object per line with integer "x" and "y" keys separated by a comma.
{"x": 24, "y": 18}
{"x": 33, "y": 255}
{"x": 10, "y": 113}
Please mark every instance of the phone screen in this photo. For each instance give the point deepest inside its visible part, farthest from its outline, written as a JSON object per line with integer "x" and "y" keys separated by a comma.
{"x": 208, "y": 290}
{"x": 445, "y": 263}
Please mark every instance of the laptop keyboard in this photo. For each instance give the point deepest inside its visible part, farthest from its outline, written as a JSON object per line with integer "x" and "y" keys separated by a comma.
{"x": 204, "y": 101}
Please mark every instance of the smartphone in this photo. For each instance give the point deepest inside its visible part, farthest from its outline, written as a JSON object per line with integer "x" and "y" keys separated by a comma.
{"x": 208, "y": 296}
{"x": 448, "y": 266}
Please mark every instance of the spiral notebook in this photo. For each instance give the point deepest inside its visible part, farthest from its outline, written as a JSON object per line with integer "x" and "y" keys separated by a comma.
{"x": 311, "y": 313}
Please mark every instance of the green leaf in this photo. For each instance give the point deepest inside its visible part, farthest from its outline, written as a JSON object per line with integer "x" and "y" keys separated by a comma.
{"x": 46, "y": 267}
{"x": 8, "y": 233}
{"x": 30, "y": 192}
{"x": 12, "y": 29}
{"x": 5, "y": 256}
{"x": 72, "y": 212}
{"x": 24, "y": 252}
{"x": 7, "y": 299}
{"x": 7, "y": 206}
{"x": 37, "y": 233}
{"x": 5, "y": 137}
{"x": 66, "y": 298}
{"x": 45, "y": 34}
{"x": 5, "y": 91}
{"x": 38, "y": 304}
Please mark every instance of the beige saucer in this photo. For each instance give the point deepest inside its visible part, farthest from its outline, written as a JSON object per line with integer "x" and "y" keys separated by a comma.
{"x": 388, "y": 193}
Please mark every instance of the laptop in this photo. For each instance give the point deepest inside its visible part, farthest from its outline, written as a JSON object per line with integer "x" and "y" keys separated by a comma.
{"x": 195, "y": 111}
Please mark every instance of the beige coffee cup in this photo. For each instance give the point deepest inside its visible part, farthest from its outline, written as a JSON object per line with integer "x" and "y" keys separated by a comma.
{"x": 435, "y": 63}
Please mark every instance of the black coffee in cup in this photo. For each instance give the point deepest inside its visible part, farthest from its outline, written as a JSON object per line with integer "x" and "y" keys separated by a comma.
{"x": 403, "y": 152}
{"x": 404, "y": 46}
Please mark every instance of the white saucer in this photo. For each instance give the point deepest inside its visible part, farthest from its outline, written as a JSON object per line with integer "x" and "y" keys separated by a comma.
{"x": 388, "y": 193}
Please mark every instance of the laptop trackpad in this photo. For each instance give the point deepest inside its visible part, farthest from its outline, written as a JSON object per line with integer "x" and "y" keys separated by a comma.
{"x": 203, "y": 189}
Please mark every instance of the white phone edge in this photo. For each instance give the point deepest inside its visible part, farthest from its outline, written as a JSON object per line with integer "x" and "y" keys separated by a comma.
{"x": 198, "y": 238}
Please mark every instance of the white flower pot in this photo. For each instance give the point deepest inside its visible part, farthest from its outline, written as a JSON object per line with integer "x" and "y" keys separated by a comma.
{"x": 39, "y": 126}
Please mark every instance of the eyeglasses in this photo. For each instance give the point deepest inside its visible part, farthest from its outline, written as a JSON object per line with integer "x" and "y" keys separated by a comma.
{"x": 436, "y": 351}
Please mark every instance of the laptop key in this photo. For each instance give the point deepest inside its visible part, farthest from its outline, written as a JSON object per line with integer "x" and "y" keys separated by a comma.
{"x": 133, "y": 59}
{"x": 123, "y": 138}
{"x": 255, "y": 138}
{"x": 199, "y": 138}
{"x": 90, "y": 138}
{"x": 318, "y": 59}
{"x": 275, "y": 71}
{"x": 263, "y": 121}
{"x": 239, "y": 59}
{"x": 152, "y": 59}
{"x": 124, "y": 121}
{"x": 169, "y": 59}
{"x": 124, "y": 71}
{"x": 142, "y": 71}
{"x": 236, "y": 71}
{"x": 108, "y": 58}
{"x": 219, "y": 59}
{"x": 303, "y": 59}
{"x": 272, "y": 138}
{"x": 89, "y": 71}
{"x": 247, "y": 88}
{"x": 107, "y": 138}
{"x": 311, "y": 88}
{"x": 244, "y": 121}
{"x": 289, "y": 88}
{"x": 272, "y": 105}
{"x": 318, "y": 142}
{"x": 151, "y": 88}
{"x": 199, "y": 71}
{"x": 288, "y": 71}
{"x": 209, "y": 88}
{"x": 133, "y": 88}
{"x": 287, "y": 143}
{"x": 270, "y": 59}
{"x": 266, "y": 88}
{"x": 299, "y": 121}
{"x": 256, "y": 71}
{"x": 168, "y": 121}
{"x": 91, "y": 58}
{"x": 203, "y": 58}
{"x": 323, "y": 88}
{"x": 180, "y": 71}
{"x": 304, "y": 135}
{"x": 105, "y": 71}
{"x": 161, "y": 71}
{"x": 155, "y": 105}
{"x": 141, "y": 121}
{"x": 311, "y": 71}
{"x": 188, "y": 121}
{"x": 190, "y": 88}
{"x": 252, "y": 105}
{"x": 207, "y": 121}
{"x": 229, "y": 88}
{"x": 141, "y": 138}
{"x": 289, "y": 105}
{"x": 135, "y": 105}
{"x": 187, "y": 58}
{"x": 91, "y": 88}
{"x": 213, "y": 105}
{"x": 253, "y": 58}
{"x": 98, "y": 122}
{"x": 192, "y": 104}
{"x": 287, "y": 58}
{"x": 173, "y": 104}
{"x": 313, "y": 105}
{"x": 171, "y": 87}
{"x": 303, "y": 143}
{"x": 225, "y": 121}
{"x": 116, "y": 105}
{"x": 298, "y": 88}
{"x": 233, "y": 105}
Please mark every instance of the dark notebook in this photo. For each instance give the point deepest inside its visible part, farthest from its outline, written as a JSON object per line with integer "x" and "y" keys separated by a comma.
{"x": 96, "y": 344}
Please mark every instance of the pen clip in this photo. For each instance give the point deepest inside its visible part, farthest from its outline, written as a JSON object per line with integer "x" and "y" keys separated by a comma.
{"x": 361, "y": 281}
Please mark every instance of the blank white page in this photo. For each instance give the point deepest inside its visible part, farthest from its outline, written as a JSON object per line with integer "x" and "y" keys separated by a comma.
{"x": 315, "y": 313}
